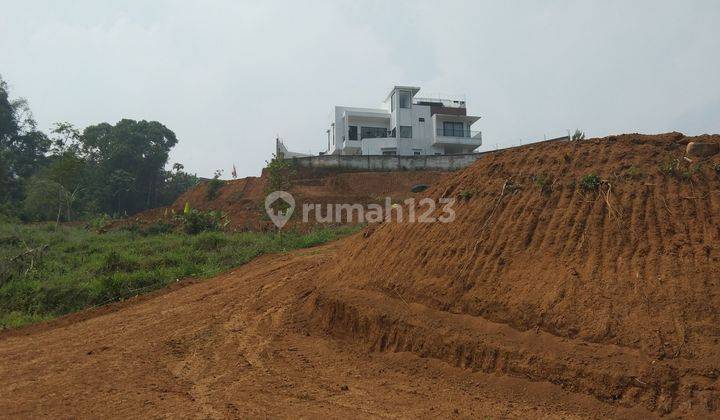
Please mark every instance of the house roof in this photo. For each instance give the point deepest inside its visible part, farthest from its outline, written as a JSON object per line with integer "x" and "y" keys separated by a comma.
{"x": 470, "y": 119}
{"x": 413, "y": 89}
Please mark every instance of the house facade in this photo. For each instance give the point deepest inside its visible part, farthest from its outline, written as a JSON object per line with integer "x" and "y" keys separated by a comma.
{"x": 404, "y": 125}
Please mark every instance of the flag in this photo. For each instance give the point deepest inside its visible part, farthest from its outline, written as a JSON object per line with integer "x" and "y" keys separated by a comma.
{"x": 234, "y": 172}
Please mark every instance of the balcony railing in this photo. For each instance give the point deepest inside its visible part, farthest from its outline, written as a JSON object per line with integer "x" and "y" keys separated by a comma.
{"x": 457, "y": 102}
{"x": 456, "y": 132}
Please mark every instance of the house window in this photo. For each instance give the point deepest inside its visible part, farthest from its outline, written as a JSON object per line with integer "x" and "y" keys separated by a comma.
{"x": 389, "y": 151}
{"x": 453, "y": 129}
{"x": 405, "y": 99}
{"x": 372, "y": 132}
{"x": 421, "y": 119}
{"x": 417, "y": 152}
{"x": 393, "y": 133}
{"x": 352, "y": 132}
{"x": 405, "y": 132}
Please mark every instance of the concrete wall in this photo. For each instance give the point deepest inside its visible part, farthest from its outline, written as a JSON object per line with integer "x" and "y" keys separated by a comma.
{"x": 388, "y": 163}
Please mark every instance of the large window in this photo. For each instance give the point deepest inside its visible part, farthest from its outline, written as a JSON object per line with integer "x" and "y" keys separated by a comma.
{"x": 405, "y": 99}
{"x": 453, "y": 129}
{"x": 405, "y": 132}
{"x": 352, "y": 132}
{"x": 373, "y": 132}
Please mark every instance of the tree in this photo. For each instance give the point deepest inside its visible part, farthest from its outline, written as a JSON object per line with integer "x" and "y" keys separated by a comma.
{"x": 22, "y": 147}
{"x": 129, "y": 149}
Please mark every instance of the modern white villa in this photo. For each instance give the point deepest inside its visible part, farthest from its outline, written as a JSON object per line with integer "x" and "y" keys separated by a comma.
{"x": 404, "y": 125}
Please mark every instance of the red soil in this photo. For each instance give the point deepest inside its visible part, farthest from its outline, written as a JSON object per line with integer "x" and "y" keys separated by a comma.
{"x": 242, "y": 201}
{"x": 539, "y": 300}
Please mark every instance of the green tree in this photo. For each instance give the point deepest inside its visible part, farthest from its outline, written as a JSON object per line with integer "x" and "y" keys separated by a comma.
{"x": 23, "y": 148}
{"x": 136, "y": 150}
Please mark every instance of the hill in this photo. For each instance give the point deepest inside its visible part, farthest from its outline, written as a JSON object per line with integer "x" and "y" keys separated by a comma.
{"x": 579, "y": 279}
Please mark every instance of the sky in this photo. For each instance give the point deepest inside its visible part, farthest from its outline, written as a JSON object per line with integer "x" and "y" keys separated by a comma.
{"x": 229, "y": 76}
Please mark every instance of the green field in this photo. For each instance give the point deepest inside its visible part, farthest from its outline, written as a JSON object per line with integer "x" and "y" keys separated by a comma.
{"x": 47, "y": 271}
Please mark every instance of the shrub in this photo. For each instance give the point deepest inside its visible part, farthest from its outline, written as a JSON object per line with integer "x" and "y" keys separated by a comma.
{"x": 590, "y": 182}
{"x": 214, "y": 186}
{"x": 99, "y": 223}
{"x": 196, "y": 221}
{"x": 280, "y": 172}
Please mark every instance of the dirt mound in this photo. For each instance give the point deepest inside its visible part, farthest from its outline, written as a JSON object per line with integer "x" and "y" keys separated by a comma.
{"x": 242, "y": 200}
{"x": 629, "y": 258}
{"x": 579, "y": 279}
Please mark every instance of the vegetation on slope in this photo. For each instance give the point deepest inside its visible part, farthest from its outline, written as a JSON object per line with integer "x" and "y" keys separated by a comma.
{"x": 47, "y": 271}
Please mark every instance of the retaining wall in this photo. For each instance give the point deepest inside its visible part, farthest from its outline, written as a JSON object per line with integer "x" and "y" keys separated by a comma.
{"x": 387, "y": 163}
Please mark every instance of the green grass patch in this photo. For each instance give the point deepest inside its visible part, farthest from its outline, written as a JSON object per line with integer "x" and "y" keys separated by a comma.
{"x": 46, "y": 271}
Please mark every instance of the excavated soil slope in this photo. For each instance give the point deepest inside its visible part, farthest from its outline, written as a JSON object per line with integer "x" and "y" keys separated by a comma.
{"x": 242, "y": 200}
{"x": 630, "y": 270}
{"x": 542, "y": 299}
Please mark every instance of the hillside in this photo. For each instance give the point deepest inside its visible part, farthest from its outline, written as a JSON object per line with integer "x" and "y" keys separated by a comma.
{"x": 242, "y": 200}
{"x": 579, "y": 279}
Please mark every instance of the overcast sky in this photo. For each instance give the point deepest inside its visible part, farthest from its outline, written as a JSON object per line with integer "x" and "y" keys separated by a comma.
{"x": 228, "y": 76}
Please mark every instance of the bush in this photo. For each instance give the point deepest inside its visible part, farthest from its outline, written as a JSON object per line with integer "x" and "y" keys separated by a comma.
{"x": 195, "y": 221}
{"x": 590, "y": 182}
{"x": 214, "y": 186}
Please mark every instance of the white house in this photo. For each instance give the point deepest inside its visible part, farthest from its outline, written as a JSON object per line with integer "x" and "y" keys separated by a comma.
{"x": 404, "y": 125}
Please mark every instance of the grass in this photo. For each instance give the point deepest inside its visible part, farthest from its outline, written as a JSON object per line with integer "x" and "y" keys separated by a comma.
{"x": 46, "y": 271}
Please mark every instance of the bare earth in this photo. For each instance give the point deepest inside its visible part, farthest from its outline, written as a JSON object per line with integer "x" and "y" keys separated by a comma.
{"x": 235, "y": 346}
{"x": 546, "y": 297}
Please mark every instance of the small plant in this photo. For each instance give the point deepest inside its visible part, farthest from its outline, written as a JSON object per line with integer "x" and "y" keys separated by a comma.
{"x": 465, "y": 195}
{"x": 99, "y": 223}
{"x": 688, "y": 173}
{"x": 670, "y": 166}
{"x": 633, "y": 172}
{"x": 543, "y": 182}
{"x": 590, "y": 182}
{"x": 512, "y": 187}
{"x": 578, "y": 135}
{"x": 214, "y": 186}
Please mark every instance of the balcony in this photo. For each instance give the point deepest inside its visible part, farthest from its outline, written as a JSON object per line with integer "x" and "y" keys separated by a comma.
{"x": 457, "y": 137}
{"x": 458, "y": 132}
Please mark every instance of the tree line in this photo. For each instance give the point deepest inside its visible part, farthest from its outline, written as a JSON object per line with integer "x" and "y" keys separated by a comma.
{"x": 70, "y": 174}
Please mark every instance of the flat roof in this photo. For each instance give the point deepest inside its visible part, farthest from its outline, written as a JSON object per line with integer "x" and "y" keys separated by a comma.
{"x": 413, "y": 89}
